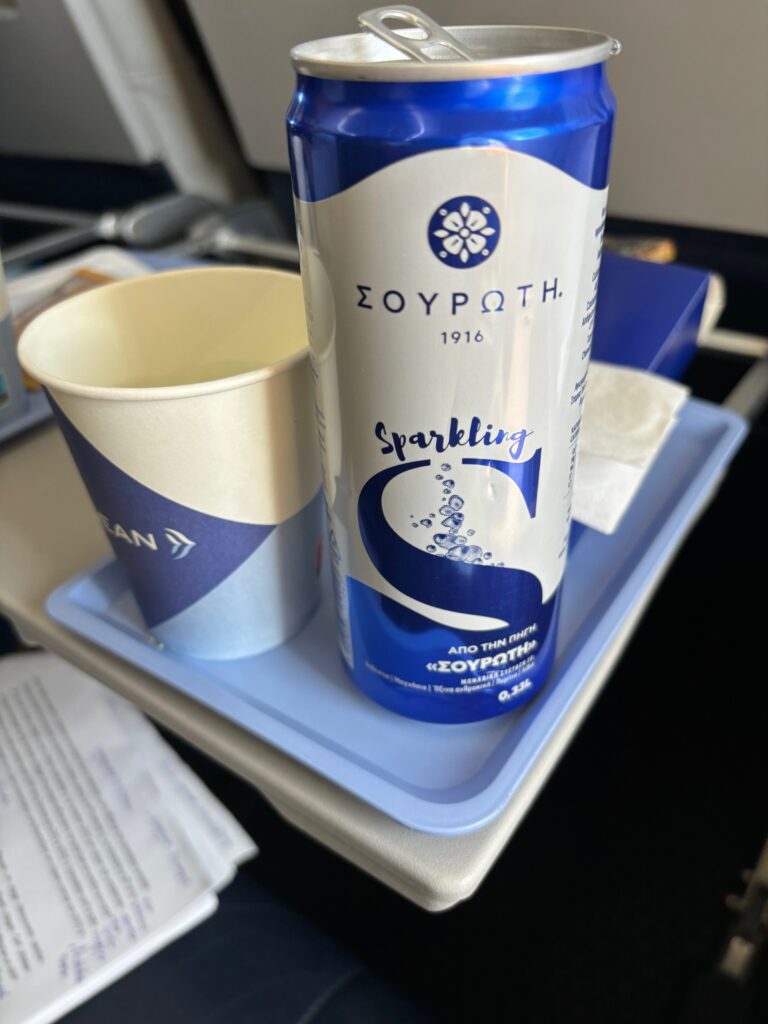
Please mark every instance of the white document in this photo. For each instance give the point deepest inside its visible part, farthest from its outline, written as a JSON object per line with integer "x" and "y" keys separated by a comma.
{"x": 205, "y": 818}
{"x": 110, "y": 847}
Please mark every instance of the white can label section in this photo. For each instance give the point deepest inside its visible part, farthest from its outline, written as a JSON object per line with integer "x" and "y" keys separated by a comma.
{"x": 451, "y": 301}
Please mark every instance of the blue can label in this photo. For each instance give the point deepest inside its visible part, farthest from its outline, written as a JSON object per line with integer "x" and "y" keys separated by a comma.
{"x": 451, "y": 302}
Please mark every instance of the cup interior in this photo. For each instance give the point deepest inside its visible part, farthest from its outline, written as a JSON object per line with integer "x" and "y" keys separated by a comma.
{"x": 169, "y": 330}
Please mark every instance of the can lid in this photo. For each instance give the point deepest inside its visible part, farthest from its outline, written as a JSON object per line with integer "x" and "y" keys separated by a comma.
{"x": 502, "y": 51}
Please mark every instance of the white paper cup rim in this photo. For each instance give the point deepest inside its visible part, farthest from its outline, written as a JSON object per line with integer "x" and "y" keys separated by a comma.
{"x": 150, "y": 393}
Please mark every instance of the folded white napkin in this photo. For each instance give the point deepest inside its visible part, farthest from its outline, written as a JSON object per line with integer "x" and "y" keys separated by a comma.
{"x": 627, "y": 417}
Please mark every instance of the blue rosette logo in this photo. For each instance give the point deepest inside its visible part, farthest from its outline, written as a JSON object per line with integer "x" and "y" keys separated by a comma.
{"x": 464, "y": 231}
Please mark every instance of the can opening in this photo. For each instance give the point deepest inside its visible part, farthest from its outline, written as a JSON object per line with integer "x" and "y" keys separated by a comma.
{"x": 500, "y": 51}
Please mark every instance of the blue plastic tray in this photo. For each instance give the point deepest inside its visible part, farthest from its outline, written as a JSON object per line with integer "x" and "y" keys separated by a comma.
{"x": 444, "y": 779}
{"x": 37, "y": 410}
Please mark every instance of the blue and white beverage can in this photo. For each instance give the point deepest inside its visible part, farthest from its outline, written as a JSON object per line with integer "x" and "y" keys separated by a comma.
{"x": 450, "y": 219}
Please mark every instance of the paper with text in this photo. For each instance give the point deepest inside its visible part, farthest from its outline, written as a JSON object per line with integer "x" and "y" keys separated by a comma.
{"x": 109, "y": 844}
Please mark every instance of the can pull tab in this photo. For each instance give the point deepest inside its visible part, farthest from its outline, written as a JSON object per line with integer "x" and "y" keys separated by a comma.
{"x": 430, "y": 45}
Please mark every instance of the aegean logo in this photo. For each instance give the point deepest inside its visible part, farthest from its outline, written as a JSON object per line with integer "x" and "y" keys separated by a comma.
{"x": 180, "y": 544}
{"x": 464, "y": 231}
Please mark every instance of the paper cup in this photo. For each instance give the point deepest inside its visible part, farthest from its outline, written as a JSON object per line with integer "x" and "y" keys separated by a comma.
{"x": 186, "y": 401}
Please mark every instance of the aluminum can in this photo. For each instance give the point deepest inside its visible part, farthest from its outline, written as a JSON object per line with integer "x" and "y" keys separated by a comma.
{"x": 450, "y": 218}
